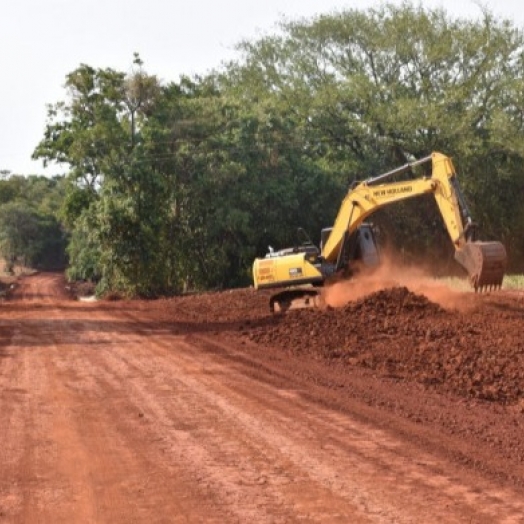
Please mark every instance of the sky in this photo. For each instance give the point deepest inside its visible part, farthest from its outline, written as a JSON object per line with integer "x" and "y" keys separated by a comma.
{"x": 41, "y": 41}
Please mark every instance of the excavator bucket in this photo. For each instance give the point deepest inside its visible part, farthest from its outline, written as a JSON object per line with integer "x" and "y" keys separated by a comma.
{"x": 485, "y": 263}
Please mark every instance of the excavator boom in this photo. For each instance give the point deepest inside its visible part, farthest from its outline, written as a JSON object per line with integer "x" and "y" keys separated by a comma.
{"x": 485, "y": 262}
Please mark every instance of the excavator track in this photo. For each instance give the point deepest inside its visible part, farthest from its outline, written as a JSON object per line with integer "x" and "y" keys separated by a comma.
{"x": 297, "y": 298}
{"x": 485, "y": 263}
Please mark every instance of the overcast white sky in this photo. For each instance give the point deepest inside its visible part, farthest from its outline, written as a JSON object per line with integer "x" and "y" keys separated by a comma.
{"x": 43, "y": 40}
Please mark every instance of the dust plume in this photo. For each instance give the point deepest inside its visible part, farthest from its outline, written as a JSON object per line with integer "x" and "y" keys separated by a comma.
{"x": 391, "y": 273}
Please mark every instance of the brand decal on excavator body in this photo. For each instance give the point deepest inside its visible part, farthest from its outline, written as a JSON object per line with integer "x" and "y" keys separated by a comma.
{"x": 393, "y": 191}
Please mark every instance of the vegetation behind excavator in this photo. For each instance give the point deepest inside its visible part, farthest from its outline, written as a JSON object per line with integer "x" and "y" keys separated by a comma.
{"x": 352, "y": 241}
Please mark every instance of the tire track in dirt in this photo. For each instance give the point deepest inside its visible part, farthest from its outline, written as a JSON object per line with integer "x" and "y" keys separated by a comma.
{"x": 204, "y": 473}
{"x": 125, "y": 421}
{"x": 14, "y": 413}
{"x": 178, "y": 420}
{"x": 365, "y": 455}
{"x": 116, "y": 481}
{"x": 149, "y": 477}
{"x": 45, "y": 469}
{"x": 259, "y": 428}
{"x": 69, "y": 461}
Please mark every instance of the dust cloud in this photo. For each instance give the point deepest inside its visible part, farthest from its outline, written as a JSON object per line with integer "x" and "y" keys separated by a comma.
{"x": 391, "y": 273}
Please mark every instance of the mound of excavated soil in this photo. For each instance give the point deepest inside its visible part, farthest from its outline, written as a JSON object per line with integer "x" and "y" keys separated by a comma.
{"x": 401, "y": 334}
{"x": 478, "y": 353}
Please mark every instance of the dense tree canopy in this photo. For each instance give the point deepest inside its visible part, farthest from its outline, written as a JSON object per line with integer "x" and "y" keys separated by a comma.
{"x": 181, "y": 185}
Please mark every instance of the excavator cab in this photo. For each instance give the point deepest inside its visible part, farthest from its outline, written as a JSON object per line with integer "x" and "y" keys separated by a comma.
{"x": 359, "y": 246}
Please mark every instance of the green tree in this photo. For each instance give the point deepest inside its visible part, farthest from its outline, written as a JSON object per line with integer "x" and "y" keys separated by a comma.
{"x": 98, "y": 132}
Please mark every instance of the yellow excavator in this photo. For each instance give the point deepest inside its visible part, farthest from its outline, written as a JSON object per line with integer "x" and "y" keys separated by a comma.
{"x": 300, "y": 270}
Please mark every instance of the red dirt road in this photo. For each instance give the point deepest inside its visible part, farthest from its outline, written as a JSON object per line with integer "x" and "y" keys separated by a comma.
{"x": 180, "y": 411}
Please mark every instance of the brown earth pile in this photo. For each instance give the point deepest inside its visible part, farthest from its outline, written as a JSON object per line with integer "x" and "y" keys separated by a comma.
{"x": 397, "y": 333}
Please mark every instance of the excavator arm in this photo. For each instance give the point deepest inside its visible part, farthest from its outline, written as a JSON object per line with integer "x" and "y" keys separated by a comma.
{"x": 484, "y": 261}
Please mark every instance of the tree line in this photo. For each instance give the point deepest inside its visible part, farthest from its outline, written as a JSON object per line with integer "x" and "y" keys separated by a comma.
{"x": 179, "y": 185}
{"x": 31, "y": 234}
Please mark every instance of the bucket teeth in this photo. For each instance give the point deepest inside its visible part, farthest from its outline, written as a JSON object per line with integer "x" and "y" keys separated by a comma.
{"x": 486, "y": 289}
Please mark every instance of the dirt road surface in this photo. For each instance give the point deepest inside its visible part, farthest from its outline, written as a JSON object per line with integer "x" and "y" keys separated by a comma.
{"x": 193, "y": 410}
